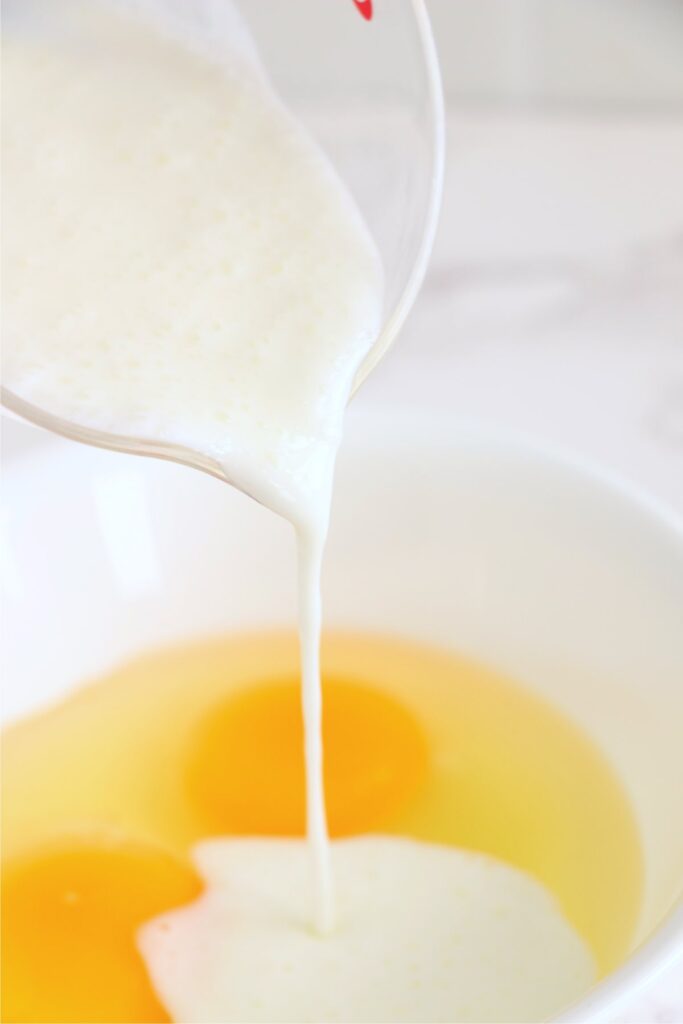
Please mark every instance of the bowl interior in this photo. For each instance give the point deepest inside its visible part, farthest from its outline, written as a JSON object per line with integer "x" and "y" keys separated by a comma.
{"x": 535, "y": 565}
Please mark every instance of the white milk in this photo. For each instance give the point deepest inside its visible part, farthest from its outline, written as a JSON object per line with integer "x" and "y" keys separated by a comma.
{"x": 182, "y": 264}
{"x": 424, "y": 933}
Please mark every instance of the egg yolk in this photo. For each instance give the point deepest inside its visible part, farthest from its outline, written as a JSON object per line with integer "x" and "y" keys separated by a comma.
{"x": 246, "y": 767}
{"x": 69, "y": 917}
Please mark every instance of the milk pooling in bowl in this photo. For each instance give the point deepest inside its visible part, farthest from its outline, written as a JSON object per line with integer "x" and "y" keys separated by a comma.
{"x": 183, "y": 265}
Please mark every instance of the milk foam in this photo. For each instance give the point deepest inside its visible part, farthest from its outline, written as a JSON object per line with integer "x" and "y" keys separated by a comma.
{"x": 424, "y": 933}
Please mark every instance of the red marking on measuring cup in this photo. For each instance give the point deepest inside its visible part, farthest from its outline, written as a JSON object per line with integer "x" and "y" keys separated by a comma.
{"x": 365, "y": 8}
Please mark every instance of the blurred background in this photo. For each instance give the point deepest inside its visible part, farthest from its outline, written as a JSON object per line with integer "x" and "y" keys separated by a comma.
{"x": 554, "y": 300}
{"x": 609, "y": 54}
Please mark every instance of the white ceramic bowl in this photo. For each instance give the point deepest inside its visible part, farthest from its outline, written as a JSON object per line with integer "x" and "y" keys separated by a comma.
{"x": 540, "y": 566}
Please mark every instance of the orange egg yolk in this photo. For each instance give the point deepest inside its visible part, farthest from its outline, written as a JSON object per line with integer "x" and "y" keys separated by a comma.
{"x": 69, "y": 917}
{"x": 246, "y": 767}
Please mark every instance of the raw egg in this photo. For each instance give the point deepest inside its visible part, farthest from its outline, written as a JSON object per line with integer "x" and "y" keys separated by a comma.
{"x": 246, "y": 771}
{"x": 69, "y": 917}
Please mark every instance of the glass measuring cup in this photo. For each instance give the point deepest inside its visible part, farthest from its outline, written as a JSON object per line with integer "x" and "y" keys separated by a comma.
{"x": 369, "y": 91}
